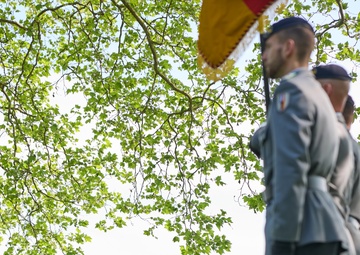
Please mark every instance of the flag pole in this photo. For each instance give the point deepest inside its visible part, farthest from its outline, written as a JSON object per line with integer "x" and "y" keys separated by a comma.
{"x": 265, "y": 78}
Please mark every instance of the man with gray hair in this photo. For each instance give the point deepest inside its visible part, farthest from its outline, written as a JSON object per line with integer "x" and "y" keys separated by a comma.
{"x": 336, "y": 82}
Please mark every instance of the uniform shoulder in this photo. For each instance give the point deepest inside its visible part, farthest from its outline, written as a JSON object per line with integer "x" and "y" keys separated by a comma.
{"x": 305, "y": 78}
{"x": 302, "y": 79}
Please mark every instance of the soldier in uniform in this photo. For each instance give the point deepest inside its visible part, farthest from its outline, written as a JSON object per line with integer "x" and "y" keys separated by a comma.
{"x": 353, "y": 192}
{"x": 336, "y": 82}
{"x": 299, "y": 145}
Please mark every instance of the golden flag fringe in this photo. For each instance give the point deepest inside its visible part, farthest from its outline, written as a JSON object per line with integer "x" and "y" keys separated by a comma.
{"x": 226, "y": 29}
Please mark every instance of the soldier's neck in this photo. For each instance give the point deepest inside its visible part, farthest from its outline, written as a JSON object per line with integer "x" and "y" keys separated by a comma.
{"x": 292, "y": 65}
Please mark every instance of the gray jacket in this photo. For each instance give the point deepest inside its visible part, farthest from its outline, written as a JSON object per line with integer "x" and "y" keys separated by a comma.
{"x": 354, "y": 184}
{"x": 300, "y": 141}
{"x": 339, "y": 182}
{"x": 353, "y": 199}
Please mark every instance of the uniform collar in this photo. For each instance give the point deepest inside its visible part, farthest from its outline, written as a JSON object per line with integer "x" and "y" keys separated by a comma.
{"x": 293, "y": 73}
{"x": 340, "y": 117}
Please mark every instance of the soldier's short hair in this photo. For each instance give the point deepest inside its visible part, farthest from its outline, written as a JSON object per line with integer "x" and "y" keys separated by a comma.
{"x": 297, "y": 29}
{"x": 304, "y": 40}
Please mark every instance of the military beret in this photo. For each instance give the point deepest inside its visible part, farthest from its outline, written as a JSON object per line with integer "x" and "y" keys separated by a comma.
{"x": 287, "y": 23}
{"x": 331, "y": 71}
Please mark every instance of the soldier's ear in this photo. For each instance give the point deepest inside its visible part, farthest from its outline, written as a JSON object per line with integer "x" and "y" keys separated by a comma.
{"x": 289, "y": 47}
{"x": 328, "y": 88}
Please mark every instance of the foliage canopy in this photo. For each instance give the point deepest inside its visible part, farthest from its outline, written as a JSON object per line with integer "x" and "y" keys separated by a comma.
{"x": 135, "y": 110}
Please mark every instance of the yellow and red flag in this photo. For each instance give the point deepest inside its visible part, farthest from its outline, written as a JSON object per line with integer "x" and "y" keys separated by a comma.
{"x": 227, "y": 27}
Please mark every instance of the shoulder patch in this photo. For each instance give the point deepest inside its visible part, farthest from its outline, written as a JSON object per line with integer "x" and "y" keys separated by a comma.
{"x": 282, "y": 101}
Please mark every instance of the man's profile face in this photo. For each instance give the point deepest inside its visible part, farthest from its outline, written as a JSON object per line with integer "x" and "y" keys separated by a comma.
{"x": 272, "y": 57}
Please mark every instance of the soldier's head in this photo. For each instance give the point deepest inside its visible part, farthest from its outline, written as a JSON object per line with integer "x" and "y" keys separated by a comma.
{"x": 288, "y": 45}
{"x": 336, "y": 82}
{"x": 348, "y": 111}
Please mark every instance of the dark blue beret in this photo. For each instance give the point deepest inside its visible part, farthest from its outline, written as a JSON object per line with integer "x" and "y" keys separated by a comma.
{"x": 288, "y": 23}
{"x": 331, "y": 71}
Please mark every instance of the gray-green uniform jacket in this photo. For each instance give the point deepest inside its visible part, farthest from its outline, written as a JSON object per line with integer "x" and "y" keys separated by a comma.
{"x": 299, "y": 146}
{"x": 355, "y": 183}
{"x": 339, "y": 182}
{"x": 353, "y": 199}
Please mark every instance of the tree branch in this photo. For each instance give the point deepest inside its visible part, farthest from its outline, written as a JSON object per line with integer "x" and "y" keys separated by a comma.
{"x": 153, "y": 51}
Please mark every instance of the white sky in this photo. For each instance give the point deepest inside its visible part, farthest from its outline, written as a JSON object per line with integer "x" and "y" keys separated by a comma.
{"x": 246, "y": 233}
